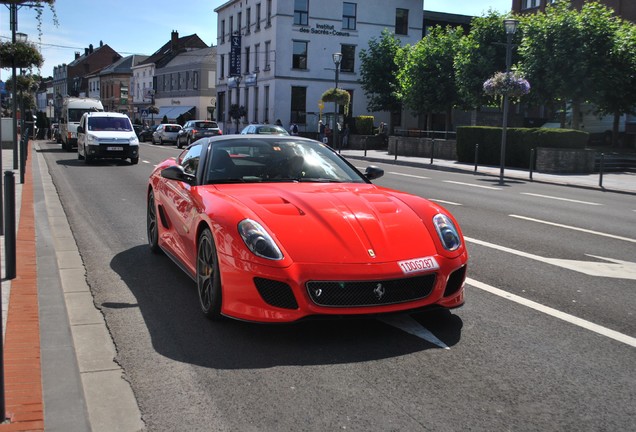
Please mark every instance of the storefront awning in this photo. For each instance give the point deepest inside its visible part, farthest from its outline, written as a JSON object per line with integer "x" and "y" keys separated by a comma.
{"x": 172, "y": 112}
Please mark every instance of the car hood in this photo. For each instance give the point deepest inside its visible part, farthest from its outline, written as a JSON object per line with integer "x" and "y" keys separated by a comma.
{"x": 343, "y": 223}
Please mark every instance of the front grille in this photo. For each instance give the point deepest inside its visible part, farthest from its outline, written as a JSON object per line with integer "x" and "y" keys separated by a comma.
{"x": 370, "y": 293}
{"x": 276, "y": 293}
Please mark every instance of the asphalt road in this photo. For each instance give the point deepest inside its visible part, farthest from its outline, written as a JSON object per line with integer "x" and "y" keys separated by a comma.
{"x": 545, "y": 341}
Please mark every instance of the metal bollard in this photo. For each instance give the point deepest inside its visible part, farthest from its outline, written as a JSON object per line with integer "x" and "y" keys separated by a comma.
{"x": 9, "y": 219}
{"x": 432, "y": 149}
{"x": 396, "y": 149}
{"x": 365, "y": 146}
{"x": 476, "y": 156}
{"x": 602, "y": 168}
{"x": 531, "y": 162}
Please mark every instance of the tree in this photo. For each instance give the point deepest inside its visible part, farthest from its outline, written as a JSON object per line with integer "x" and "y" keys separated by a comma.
{"x": 481, "y": 53}
{"x": 237, "y": 112}
{"x": 562, "y": 49}
{"x": 427, "y": 79}
{"x": 378, "y": 73}
{"x": 617, "y": 82}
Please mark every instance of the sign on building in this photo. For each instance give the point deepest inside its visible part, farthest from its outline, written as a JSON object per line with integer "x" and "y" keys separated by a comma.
{"x": 235, "y": 55}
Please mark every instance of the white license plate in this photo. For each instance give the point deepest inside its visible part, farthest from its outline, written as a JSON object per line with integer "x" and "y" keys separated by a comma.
{"x": 417, "y": 265}
{"x": 111, "y": 148}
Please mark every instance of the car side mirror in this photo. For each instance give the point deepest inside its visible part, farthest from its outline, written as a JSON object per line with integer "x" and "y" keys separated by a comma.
{"x": 80, "y": 129}
{"x": 373, "y": 172}
{"x": 177, "y": 173}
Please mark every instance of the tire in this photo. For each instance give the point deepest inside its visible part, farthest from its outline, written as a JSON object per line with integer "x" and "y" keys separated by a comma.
{"x": 179, "y": 143}
{"x": 160, "y": 141}
{"x": 152, "y": 225}
{"x": 208, "y": 277}
{"x": 134, "y": 160}
{"x": 79, "y": 155}
{"x": 189, "y": 141}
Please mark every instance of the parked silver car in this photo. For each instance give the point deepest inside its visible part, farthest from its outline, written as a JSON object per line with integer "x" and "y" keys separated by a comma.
{"x": 166, "y": 133}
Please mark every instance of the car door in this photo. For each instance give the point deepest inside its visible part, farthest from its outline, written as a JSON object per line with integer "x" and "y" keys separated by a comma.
{"x": 183, "y": 211}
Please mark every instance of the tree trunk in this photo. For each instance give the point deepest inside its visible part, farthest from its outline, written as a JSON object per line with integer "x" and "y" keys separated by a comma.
{"x": 617, "y": 118}
{"x": 576, "y": 115}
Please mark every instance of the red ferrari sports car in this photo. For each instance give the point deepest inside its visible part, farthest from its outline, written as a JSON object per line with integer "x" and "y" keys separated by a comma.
{"x": 281, "y": 228}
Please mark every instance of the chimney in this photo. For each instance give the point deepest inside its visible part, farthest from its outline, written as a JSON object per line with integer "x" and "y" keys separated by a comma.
{"x": 90, "y": 49}
{"x": 174, "y": 40}
{"x": 86, "y": 51}
{"x": 77, "y": 55}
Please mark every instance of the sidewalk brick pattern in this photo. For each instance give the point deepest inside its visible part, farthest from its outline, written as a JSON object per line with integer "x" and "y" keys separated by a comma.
{"x": 22, "y": 368}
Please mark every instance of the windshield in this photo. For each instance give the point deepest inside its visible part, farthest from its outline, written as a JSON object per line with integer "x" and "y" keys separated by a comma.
{"x": 281, "y": 160}
{"x": 75, "y": 114}
{"x": 206, "y": 125}
{"x": 109, "y": 124}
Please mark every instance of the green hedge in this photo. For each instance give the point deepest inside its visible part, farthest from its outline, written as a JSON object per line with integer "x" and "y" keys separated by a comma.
{"x": 519, "y": 143}
{"x": 364, "y": 125}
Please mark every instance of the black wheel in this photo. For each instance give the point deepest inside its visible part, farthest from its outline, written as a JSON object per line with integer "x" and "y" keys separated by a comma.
{"x": 208, "y": 277}
{"x": 179, "y": 143}
{"x": 189, "y": 141}
{"x": 79, "y": 155}
{"x": 151, "y": 224}
{"x": 134, "y": 160}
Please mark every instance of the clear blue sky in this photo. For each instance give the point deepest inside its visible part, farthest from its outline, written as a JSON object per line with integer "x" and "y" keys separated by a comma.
{"x": 143, "y": 26}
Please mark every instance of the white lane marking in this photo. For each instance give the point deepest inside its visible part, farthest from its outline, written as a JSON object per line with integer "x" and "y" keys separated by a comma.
{"x": 409, "y": 325}
{"x": 409, "y": 175}
{"x": 472, "y": 185}
{"x": 604, "y": 331}
{"x": 616, "y": 269}
{"x": 561, "y": 199}
{"x": 445, "y": 202}
{"x": 627, "y": 239}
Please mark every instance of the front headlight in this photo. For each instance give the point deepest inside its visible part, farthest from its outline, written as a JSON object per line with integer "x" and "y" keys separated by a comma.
{"x": 258, "y": 240}
{"x": 133, "y": 141}
{"x": 91, "y": 139}
{"x": 447, "y": 232}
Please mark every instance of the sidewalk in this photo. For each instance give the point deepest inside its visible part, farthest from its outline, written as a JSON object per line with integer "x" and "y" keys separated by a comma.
{"x": 60, "y": 373}
{"x": 612, "y": 182}
{"x": 59, "y": 359}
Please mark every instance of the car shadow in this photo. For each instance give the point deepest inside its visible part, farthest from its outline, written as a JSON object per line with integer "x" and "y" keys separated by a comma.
{"x": 98, "y": 162}
{"x": 168, "y": 301}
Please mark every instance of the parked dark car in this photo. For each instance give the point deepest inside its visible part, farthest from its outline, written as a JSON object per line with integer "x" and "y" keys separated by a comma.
{"x": 138, "y": 130}
{"x": 196, "y": 129}
{"x": 146, "y": 134}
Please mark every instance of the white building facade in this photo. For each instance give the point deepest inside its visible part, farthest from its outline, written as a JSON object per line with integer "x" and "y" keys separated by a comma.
{"x": 274, "y": 57}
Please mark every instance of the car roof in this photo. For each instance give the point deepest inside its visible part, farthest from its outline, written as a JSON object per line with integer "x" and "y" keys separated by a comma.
{"x": 105, "y": 114}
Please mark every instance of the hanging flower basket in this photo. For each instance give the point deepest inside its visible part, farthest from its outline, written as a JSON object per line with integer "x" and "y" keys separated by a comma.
{"x": 338, "y": 95}
{"x": 506, "y": 83}
{"x": 153, "y": 109}
{"x": 26, "y": 55}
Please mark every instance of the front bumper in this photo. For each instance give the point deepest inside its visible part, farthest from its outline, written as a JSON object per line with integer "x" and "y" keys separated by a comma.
{"x": 112, "y": 151}
{"x": 254, "y": 292}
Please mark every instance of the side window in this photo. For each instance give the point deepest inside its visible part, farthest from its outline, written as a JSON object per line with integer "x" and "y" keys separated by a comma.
{"x": 190, "y": 160}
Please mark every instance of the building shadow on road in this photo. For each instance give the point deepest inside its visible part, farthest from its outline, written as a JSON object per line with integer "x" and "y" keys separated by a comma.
{"x": 168, "y": 302}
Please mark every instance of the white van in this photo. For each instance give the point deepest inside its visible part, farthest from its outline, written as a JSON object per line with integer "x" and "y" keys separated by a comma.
{"x": 72, "y": 110}
{"x": 106, "y": 135}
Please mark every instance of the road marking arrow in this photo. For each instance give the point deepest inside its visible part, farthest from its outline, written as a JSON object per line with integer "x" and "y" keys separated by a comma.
{"x": 617, "y": 269}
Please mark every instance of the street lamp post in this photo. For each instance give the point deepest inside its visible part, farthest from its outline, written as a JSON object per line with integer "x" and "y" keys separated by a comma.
{"x": 337, "y": 58}
{"x": 510, "y": 25}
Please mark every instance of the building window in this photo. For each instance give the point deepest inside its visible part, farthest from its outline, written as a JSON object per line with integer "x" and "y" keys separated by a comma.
{"x": 402, "y": 21}
{"x": 222, "y": 33}
{"x": 298, "y": 105}
{"x": 220, "y": 106}
{"x": 299, "y": 56}
{"x": 247, "y": 60}
{"x": 348, "y": 58}
{"x": 248, "y": 19}
{"x": 529, "y": 4}
{"x": 231, "y": 26}
{"x": 195, "y": 80}
{"x": 258, "y": 17}
{"x": 239, "y": 21}
{"x": 301, "y": 12}
{"x": 267, "y": 46}
{"x": 187, "y": 80}
{"x": 222, "y": 66}
{"x": 269, "y": 13}
{"x": 349, "y": 16}
{"x": 266, "y": 105}
{"x": 255, "y": 105}
{"x": 257, "y": 48}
